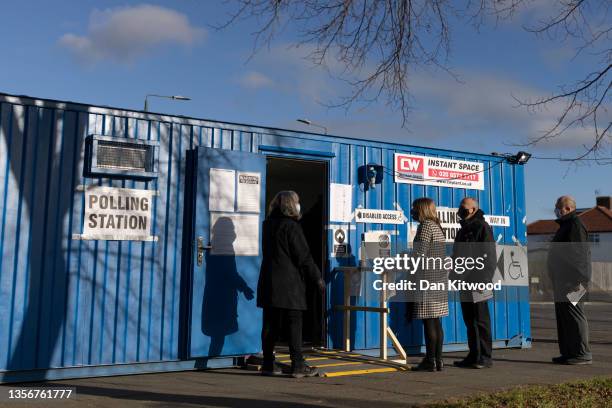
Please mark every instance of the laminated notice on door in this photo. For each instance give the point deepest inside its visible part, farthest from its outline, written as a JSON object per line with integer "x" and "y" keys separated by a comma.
{"x": 341, "y": 200}
{"x": 234, "y": 234}
{"x": 249, "y": 191}
{"x": 221, "y": 194}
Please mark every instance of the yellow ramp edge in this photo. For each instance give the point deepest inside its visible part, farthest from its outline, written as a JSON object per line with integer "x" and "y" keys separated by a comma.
{"x": 364, "y": 371}
{"x": 306, "y": 359}
{"x": 346, "y": 363}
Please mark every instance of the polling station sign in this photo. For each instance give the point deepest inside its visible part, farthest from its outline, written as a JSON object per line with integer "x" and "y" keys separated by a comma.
{"x": 438, "y": 171}
{"x": 449, "y": 220}
{"x": 117, "y": 214}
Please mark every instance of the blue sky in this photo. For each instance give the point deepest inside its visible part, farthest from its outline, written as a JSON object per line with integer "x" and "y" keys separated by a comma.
{"x": 115, "y": 52}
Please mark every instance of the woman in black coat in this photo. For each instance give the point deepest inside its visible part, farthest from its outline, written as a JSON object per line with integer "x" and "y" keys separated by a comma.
{"x": 286, "y": 268}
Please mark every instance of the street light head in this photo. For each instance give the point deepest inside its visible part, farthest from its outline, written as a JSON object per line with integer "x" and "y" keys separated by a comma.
{"x": 305, "y": 121}
{"x": 181, "y": 98}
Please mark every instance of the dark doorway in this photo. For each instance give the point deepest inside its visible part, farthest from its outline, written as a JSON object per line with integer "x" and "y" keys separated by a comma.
{"x": 309, "y": 179}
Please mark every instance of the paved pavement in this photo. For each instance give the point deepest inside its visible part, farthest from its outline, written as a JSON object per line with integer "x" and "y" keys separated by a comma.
{"x": 242, "y": 388}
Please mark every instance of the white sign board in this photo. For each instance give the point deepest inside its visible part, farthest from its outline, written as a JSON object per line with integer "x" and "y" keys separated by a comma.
{"x": 438, "y": 171}
{"x": 450, "y": 222}
{"x": 113, "y": 213}
{"x": 221, "y": 194}
{"x": 249, "y": 191}
{"x": 512, "y": 264}
{"x": 366, "y": 215}
{"x": 234, "y": 234}
{"x": 377, "y": 244}
{"x": 341, "y": 200}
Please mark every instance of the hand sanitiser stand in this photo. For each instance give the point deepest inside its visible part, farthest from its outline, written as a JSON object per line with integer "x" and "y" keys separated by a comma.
{"x": 352, "y": 277}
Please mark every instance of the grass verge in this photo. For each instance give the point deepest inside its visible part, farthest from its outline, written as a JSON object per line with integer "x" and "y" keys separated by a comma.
{"x": 592, "y": 393}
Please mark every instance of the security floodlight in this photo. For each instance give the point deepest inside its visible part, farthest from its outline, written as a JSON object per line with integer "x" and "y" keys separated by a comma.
{"x": 519, "y": 158}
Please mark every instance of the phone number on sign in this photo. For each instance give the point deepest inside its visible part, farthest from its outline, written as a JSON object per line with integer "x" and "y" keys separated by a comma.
{"x": 445, "y": 174}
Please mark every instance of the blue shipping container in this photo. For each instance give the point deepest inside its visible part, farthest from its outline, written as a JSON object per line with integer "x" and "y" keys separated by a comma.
{"x": 72, "y": 307}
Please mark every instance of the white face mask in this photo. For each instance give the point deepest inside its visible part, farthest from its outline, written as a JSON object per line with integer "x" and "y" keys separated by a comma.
{"x": 298, "y": 208}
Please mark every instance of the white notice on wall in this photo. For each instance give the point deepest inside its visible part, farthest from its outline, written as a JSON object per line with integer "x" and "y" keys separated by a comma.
{"x": 117, "y": 214}
{"x": 341, "y": 198}
{"x": 234, "y": 234}
{"x": 221, "y": 194}
{"x": 249, "y": 191}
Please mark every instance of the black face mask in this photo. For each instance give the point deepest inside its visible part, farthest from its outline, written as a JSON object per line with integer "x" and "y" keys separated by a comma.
{"x": 415, "y": 215}
{"x": 463, "y": 213}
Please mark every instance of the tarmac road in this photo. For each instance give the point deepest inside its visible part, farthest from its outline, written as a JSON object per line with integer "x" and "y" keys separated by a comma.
{"x": 242, "y": 388}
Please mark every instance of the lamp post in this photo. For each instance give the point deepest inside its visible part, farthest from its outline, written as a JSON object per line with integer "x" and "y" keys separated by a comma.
{"x": 174, "y": 97}
{"x": 311, "y": 123}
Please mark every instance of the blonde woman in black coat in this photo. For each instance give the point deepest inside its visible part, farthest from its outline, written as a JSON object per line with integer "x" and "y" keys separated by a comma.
{"x": 287, "y": 267}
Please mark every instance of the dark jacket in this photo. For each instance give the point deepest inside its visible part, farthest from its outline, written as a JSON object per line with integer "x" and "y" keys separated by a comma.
{"x": 287, "y": 265}
{"x": 569, "y": 262}
{"x": 475, "y": 239}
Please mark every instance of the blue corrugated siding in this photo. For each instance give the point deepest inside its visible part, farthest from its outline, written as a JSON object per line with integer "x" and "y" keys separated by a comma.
{"x": 70, "y": 303}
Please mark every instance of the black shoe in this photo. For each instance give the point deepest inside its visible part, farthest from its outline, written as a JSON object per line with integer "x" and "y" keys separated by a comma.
{"x": 425, "y": 365}
{"x": 559, "y": 360}
{"x": 271, "y": 371}
{"x": 439, "y": 365}
{"x": 578, "y": 361}
{"x": 304, "y": 371}
{"x": 483, "y": 363}
{"x": 465, "y": 363}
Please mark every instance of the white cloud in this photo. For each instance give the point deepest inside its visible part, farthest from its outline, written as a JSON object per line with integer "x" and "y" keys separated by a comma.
{"x": 481, "y": 110}
{"x": 255, "y": 80}
{"x": 294, "y": 73}
{"x": 128, "y": 33}
{"x": 485, "y": 103}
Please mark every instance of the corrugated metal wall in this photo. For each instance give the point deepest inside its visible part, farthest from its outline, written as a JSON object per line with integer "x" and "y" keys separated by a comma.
{"x": 67, "y": 302}
{"x": 504, "y": 194}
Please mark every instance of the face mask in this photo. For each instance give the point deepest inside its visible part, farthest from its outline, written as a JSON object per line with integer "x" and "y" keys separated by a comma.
{"x": 414, "y": 215}
{"x": 463, "y": 213}
{"x": 558, "y": 213}
{"x": 298, "y": 208}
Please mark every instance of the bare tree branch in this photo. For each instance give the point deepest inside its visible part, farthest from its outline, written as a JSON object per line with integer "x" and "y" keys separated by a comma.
{"x": 379, "y": 44}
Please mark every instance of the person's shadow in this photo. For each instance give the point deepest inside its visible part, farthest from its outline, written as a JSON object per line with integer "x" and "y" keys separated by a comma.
{"x": 223, "y": 283}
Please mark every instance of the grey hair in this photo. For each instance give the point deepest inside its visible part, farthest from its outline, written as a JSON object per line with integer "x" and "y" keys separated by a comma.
{"x": 286, "y": 203}
{"x": 472, "y": 199}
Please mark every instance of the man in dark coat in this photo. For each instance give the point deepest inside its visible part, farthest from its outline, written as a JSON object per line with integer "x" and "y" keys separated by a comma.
{"x": 474, "y": 240}
{"x": 569, "y": 268}
{"x": 287, "y": 266}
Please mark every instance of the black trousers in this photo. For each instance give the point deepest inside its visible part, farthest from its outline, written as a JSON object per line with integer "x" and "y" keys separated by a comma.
{"x": 478, "y": 323}
{"x": 274, "y": 320}
{"x": 572, "y": 330}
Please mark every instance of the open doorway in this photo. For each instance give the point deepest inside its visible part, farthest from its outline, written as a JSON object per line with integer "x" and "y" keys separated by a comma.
{"x": 309, "y": 179}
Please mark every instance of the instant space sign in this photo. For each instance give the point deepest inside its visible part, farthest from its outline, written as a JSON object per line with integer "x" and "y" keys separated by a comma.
{"x": 438, "y": 171}
{"x": 117, "y": 214}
